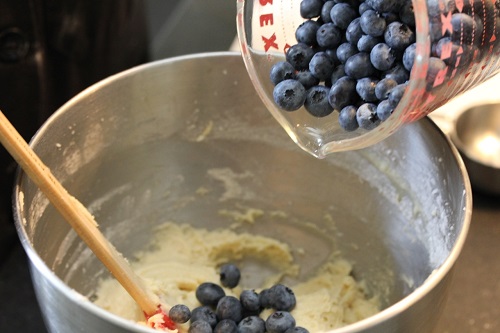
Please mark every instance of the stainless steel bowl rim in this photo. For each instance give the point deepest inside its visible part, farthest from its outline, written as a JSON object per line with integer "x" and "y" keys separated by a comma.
{"x": 82, "y": 301}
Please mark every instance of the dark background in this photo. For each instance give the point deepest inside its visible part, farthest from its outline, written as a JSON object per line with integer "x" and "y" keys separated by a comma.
{"x": 85, "y": 41}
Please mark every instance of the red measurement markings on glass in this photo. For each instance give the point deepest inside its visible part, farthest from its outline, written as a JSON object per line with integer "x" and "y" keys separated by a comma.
{"x": 446, "y": 23}
{"x": 487, "y": 60}
{"x": 266, "y": 19}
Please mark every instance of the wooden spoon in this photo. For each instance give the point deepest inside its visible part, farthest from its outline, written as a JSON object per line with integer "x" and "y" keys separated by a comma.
{"x": 81, "y": 221}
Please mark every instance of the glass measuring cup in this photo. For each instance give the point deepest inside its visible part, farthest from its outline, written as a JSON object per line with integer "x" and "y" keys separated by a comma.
{"x": 266, "y": 30}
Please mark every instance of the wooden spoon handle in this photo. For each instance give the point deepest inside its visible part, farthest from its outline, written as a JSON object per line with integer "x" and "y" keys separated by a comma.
{"x": 77, "y": 216}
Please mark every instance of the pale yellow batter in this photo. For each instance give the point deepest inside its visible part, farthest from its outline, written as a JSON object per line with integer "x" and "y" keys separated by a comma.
{"x": 184, "y": 257}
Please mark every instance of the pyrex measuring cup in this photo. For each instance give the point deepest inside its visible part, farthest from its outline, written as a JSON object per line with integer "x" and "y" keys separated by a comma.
{"x": 469, "y": 50}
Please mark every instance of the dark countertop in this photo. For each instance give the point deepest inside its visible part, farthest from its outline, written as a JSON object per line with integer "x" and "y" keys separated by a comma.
{"x": 473, "y": 303}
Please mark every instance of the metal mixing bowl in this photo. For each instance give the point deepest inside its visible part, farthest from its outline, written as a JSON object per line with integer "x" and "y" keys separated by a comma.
{"x": 136, "y": 148}
{"x": 477, "y": 136}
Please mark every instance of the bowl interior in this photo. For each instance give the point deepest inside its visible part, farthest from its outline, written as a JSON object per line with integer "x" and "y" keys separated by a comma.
{"x": 185, "y": 139}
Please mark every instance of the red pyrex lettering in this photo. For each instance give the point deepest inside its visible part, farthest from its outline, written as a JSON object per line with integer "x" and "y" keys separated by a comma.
{"x": 270, "y": 42}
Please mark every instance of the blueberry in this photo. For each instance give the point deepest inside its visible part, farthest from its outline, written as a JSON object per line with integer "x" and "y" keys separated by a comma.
{"x": 367, "y": 116}
{"x": 317, "y": 101}
{"x": 204, "y": 313}
{"x": 367, "y": 42}
{"x": 289, "y": 95}
{"x": 435, "y": 66}
{"x": 398, "y": 73}
{"x": 435, "y": 29}
{"x": 342, "y": 93}
{"x": 306, "y": 32}
{"x": 382, "y": 57}
{"x": 354, "y": 32}
{"x": 409, "y": 56}
{"x": 306, "y": 79}
{"x": 345, "y": 51}
{"x": 265, "y": 298}
{"x": 443, "y": 43}
{"x": 332, "y": 53}
{"x": 337, "y": 73}
{"x": 365, "y": 87}
{"x": 440, "y": 46}
{"x": 310, "y": 8}
{"x": 478, "y": 31}
{"x": 297, "y": 329}
{"x": 299, "y": 56}
{"x": 398, "y": 36}
{"x": 347, "y": 118}
{"x": 406, "y": 13}
{"x": 382, "y": 6}
{"x": 463, "y": 28}
{"x": 279, "y": 322}
{"x": 342, "y": 14}
{"x": 280, "y": 71}
{"x": 226, "y": 326}
{"x": 384, "y": 109}
{"x": 359, "y": 65}
{"x": 209, "y": 293}
{"x": 179, "y": 313}
{"x": 252, "y": 324}
{"x": 321, "y": 66}
{"x": 250, "y": 300}
{"x": 353, "y": 3}
{"x": 200, "y": 326}
{"x": 229, "y": 307}
{"x": 328, "y": 36}
{"x": 396, "y": 94}
{"x": 325, "y": 11}
{"x": 363, "y": 7}
{"x": 229, "y": 275}
{"x": 390, "y": 17}
{"x": 384, "y": 87}
{"x": 282, "y": 297}
{"x": 372, "y": 23}
{"x": 468, "y": 54}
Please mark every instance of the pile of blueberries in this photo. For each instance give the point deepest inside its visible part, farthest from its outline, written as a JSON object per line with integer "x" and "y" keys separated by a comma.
{"x": 221, "y": 313}
{"x": 355, "y": 57}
